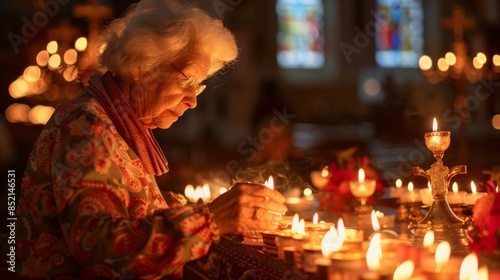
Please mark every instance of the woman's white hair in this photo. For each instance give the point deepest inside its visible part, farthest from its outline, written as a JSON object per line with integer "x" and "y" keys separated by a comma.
{"x": 153, "y": 33}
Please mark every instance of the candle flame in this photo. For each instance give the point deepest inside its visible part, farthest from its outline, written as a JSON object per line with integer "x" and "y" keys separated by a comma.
{"x": 410, "y": 187}
{"x": 189, "y": 192}
{"x": 469, "y": 267}
{"x": 361, "y": 175}
{"x": 374, "y": 253}
{"x": 328, "y": 242}
{"x": 482, "y": 273}
{"x": 206, "y": 192}
{"x": 269, "y": 183}
{"x": 434, "y": 125}
{"x": 429, "y": 185}
{"x": 325, "y": 172}
{"x": 454, "y": 187}
{"x": 399, "y": 183}
{"x": 375, "y": 223}
{"x": 307, "y": 192}
{"x": 442, "y": 255}
{"x": 341, "y": 230}
{"x": 302, "y": 227}
{"x": 428, "y": 239}
{"x": 404, "y": 270}
{"x": 315, "y": 218}
{"x": 295, "y": 223}
{"x": 473, "y": 187}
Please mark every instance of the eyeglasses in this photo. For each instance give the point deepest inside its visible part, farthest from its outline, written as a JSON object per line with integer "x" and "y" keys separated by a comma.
{"x": 190, "y": 82}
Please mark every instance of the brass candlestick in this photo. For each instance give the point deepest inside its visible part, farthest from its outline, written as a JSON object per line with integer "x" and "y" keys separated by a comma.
{"x": 441, "y": 219}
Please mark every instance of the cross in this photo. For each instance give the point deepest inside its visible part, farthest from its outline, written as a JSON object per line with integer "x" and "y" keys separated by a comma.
{"x": 64, "y": 33}
{"x": 94, "y": 12}
{"x": 459, "y": 22}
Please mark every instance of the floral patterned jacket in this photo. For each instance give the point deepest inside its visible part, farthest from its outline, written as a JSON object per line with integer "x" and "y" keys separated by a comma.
{"x": 88, "y": 210}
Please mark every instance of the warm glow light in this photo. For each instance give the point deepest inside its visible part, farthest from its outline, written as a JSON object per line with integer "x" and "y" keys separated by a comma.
{"x": 315, "y": 219}
{"x": 222, "y": 190}
{"x": 307, "y": 192}
{"x": 52, "y": 47}
{"x": 19, "y": 88}
{"x": 450, "y": 58}
{"x": 374, "y": 253}
{"x": 399, "y": 183}
{"x": 429, "y": 185}
{"x": 495, "y": 121}
{"x": 425, "y": 62}
{"x": 476, "y": 63}
{"x": 269, "y": 183}
{"x": 442, "y": 65}
{"x": 54, "y": 61}
{"x": 428, "y": 239}
{"x": 17, "y": 113}
{"x": 32, "y": 74}
{"x": 454, "y": 187}
{"x": 40, "y": 114}
{"x": 206, "y": 192}
{"x": 361, "y": 175}
{"x": 70, "y": 56}
{"x": 189, "y": 192}
{"x": 481, "y": 58}
{"x": 410, "y": 186}
{"x": 328, "y": 242}
{"x": 302, "y": 227}
{"x": 482, "y": 273}
{"x": 81, "y": 44}
{"x": 295, "y": 223}
{"x": 469, "y": 267}
{"x": 404, "y": 271}
{"x": 70, "y": 73}
{"x": 442, "y": 255}
{"x": 375, "y": 223}
{"x": 42, "y": 58}
{"x": 434, "y": 125}
{"x": 473, "y": 187}
{"x": 324, "y": 172}
{"x": 496, "y": 60}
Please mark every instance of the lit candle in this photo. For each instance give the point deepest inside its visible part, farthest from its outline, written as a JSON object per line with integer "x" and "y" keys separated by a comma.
{"x": 426, "y": 195}
{"x": 411, "y": 196}
{"x": 362, "y": 188}
{"x": 471, "y": 198}
{"x": 395, "y": 192}
{"x": 456, "y": 196}
{"x": 404, "y": 271}
{"x": 308, "y": 195}
{"x": 189, "y": 193}
{"x": 441, "y": 266}
{"x": 469, "y": 267}
{"x": 437, "y": 141}
{"x": 269, "y": 183}
{"x": 320, "y": 178}
{"x": 442, "y": 256}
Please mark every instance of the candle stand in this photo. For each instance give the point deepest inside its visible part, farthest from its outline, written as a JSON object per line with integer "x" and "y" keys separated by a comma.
{"x": 441, "y": 219}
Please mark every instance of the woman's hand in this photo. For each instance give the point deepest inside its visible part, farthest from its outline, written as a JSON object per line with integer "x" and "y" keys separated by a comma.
{"x": 248, "y": 206}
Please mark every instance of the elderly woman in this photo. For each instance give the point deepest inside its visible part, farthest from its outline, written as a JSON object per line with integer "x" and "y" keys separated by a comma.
{"x": 90, "y": 207}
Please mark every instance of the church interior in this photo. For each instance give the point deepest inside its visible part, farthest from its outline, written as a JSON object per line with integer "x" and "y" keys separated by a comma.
{"x": 339, "y": 74}
{"x": 358, "y": 90}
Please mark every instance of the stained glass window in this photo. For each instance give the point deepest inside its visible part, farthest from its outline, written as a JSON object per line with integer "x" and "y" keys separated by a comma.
{"x": 300, "y": 35}
{"x": 399, "y": 33}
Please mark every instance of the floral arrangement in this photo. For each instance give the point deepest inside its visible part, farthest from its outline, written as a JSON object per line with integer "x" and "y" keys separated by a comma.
{"x": 485, "y": 232}
{"x": 336, "y": 196}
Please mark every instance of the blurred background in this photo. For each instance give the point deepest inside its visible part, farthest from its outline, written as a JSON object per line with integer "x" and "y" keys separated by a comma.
{"x": 314, "y": 77}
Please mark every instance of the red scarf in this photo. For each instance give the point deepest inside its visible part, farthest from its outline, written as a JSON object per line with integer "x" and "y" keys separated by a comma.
{"x": 139, "y": 138}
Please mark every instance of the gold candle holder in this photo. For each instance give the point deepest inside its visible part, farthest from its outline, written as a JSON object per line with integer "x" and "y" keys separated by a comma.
{"x": 440, "y": 218}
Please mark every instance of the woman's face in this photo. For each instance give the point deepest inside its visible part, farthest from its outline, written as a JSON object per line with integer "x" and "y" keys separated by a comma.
{"x": 168, "y": 97}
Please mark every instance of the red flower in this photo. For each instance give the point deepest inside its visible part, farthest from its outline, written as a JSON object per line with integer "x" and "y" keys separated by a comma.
{"x": 486, "y": 219}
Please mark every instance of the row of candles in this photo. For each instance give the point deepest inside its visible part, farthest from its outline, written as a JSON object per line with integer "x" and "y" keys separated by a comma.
{"x": 424, "y": 195}
{"x": 331, "y": 251}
